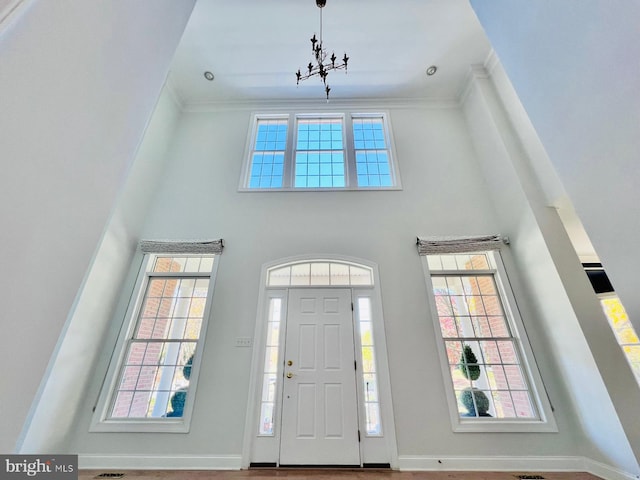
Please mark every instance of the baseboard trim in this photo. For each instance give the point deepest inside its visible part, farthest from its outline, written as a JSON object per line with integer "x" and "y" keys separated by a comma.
{"x": 513, "y": 464}
{"x": 405, "y": 463}
{"x": 491, "y": 463}
{"x": 608, "y": 472}
{"x": 159, "y": 462}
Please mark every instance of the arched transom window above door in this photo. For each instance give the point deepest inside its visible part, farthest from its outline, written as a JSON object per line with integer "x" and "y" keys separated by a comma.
{"x": 320, "y": 273}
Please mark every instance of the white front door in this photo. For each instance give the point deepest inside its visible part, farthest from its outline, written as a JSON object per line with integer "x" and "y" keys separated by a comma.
{"x": 319, "y": 408}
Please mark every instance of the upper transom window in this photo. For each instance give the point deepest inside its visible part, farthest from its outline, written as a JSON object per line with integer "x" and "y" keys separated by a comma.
{"x": 319, "y": 161}
{"x": 344, "y": 151}
{"x": 319, "y": 273}
{"x": 267, "y": 156}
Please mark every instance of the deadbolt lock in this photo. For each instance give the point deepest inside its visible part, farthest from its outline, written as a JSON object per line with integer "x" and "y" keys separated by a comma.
{"x": 289, "y": 362}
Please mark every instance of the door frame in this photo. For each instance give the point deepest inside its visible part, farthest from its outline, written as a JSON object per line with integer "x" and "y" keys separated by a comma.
{"x": 266, "y": 449}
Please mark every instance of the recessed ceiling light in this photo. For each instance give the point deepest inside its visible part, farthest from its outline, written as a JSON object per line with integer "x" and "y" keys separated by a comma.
{"x": 209, "y": 76}
{"x": 432, "y": 70}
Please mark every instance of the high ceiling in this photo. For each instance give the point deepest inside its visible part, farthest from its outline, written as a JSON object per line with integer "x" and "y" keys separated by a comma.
{"x": 254, "y": 48}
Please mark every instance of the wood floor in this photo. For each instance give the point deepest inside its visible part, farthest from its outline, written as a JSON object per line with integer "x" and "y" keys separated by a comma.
{"x": 303, "y": 474}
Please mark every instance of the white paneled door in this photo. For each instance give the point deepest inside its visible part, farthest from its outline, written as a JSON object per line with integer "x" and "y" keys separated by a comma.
{"x": 319, "y": 409}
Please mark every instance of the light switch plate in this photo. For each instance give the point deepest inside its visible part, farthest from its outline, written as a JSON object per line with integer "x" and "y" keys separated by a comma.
{"x": 244, "y": 341}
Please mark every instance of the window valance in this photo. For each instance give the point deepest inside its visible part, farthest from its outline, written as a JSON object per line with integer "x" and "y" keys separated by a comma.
{"x": 459, "y": 244}
{"x": 178, "y": 246}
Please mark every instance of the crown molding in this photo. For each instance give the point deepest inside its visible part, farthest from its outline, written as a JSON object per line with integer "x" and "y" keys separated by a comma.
{"x": 279, "y": 105}
{"x": 173, "y": 92}
{"x": 491, "y": 62}
{"x": 11, "y": 11}
{"x": 477, "y": 71}
{"x": 474, "y": 73}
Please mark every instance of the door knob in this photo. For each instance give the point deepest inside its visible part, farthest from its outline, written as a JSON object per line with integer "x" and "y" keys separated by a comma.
{"x": 289, "y": 374}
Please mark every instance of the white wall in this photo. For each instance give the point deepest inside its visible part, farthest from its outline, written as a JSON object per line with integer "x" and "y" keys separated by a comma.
{"x": 560, "y": 293}
{"x": 91, "y": 321}
{"x": 75, "y": 100}
{"x": 574, "y": 66}
{"x": 444, "y": 193}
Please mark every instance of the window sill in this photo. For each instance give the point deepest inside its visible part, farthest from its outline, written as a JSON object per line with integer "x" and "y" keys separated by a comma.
{"x": 326, "y": 189}
{"x": 502, "y": 426}
{"x": 141, "y": 426}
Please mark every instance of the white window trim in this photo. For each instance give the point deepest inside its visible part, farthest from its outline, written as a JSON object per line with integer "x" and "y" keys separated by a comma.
{"x": 347, "y": 117}
{"x": 546, "y": 421}
{"x": 100, "y": 421}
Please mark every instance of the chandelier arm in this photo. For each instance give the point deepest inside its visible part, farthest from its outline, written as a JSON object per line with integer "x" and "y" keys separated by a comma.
{"x": 316, "y": 70}
{"x": 321, "y": 69}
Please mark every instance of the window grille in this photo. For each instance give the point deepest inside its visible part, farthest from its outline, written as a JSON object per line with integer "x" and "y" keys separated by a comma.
{"x": 372, "y": 153}
{"x": 154, "y": 377}
{"x": 482, "y": 353}
{"x": 320, "y": 152}
{"x": 267, "y": 156}
{"x": 320, "y": 273}
{"x": 319, "y": 161}
{"x": 490, "y": 380}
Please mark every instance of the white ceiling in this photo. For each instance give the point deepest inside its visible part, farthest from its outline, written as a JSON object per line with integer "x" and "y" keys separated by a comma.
{"x": 254, "y": 48}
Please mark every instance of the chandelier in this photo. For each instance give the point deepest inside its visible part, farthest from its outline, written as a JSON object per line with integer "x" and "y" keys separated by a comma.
{"x": 322, "y": 65}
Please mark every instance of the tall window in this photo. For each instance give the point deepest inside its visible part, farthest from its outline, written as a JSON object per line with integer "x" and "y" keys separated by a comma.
{"x": 369, "y": 370}
{"x": 153, "y": 381}
{"x": 270, "y": 375}
{"x": 482, "y": 353}
{"x": 489, "y": 377}
{"x": 321, "y": 152}
{"x": 154, "y": 377}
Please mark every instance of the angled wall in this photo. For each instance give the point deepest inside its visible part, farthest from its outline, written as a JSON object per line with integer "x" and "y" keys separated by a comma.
{"x": 568, "y": 315}
{"x": 76, "y": 96}
{"x": 90, "y": 325}
{"x": 574, "y": 67}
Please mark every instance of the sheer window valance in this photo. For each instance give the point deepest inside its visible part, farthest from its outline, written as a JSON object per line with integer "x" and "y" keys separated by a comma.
{"x": 436, "y": 245}
{"x": 178, "y": 247}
